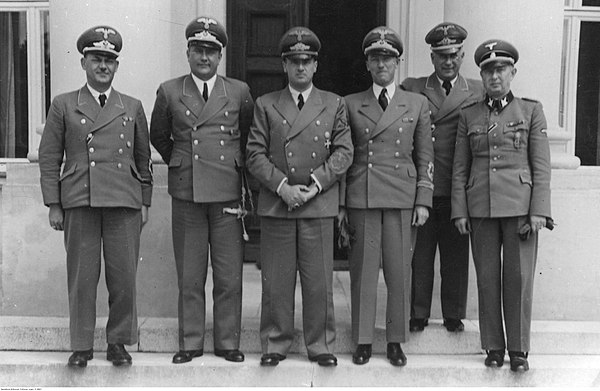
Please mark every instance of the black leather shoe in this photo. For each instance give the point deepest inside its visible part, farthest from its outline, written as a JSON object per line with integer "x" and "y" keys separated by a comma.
{"x": 495, "y": 358}
{"x": 325, "y": 360}
{"x": 454, "y": 325}
{"x": 518, "y": 361}
{"x": 80, "y": 358}
{"x": 362, "y": 354}
{"x": 396, "y": 355}
{"x": 271, "y": 359}
{"x": 186, "y": 355}
{"x": 230, "y": 355}
{"x": 418, "y": 324}
{"x": 118, "y": 355}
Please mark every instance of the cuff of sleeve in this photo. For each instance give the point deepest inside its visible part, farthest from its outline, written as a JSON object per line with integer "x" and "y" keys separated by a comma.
{"x": 283, "y": 181}
{"x": 317, "y": 183}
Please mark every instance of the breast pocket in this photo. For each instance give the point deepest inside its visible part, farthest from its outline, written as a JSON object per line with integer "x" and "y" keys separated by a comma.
{"x": 476, "y": 134}
{"x": 516, "y": 134}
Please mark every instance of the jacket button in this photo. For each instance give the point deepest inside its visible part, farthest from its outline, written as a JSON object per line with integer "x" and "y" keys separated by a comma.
{"x": 222, "y": 128}
{"x": 494, "y": 169}
{"x": 91, "y": 149}
{"x": 397, "y": 166}
{"x": 187, "y": 112}
{"x": 398, "y": 142}
{"x": 399, "y": 130}
{"x": 318, "y": 122}
{"x": 195, "y": 142}
{"x": 222, "y": 157}
{"x": 370, "y": 165}
{"x": 314, "y": 155}
{"x": 433, "y": 139}
{"x": 370, "y": 141}
{"x": 290, "y": 154}
{"x": 292, "y": 170}
{"x": 194, "y": 128}
{"x": 316, "y": 138}
{"x": 128, "y": 144}
{"x": 397, "y": 154}
{"x": 119, "y": 165}
{"x": 432, "y": 126}
{"x": 196, "y": 157}
{"x": 93, "y": 164}
{"x": 367, "y": 130}
{"x": 495, "y": 158}
{"x": 495, "y": 147}
{"x": 83, "y": 121}
{"x": 120, "y": 151}
{"x": 121, "y": 136}
{"x": 370, "y": 153}
{"x": 311, "y": 170}
{"x": 222, "y": 142}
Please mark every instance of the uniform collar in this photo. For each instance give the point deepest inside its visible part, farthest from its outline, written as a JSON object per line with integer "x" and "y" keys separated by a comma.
{"x": 96, "y": 94}
{"x": 305, "y": 93}
{"x": 453, "y": 81}
{"x": 499, "y": 104}
{"x": 200, "y": 83}
{"x": 390, "y": 90}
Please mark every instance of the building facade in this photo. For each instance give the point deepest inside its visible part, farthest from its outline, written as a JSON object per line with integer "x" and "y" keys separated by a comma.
{"x": 559, "y": 65}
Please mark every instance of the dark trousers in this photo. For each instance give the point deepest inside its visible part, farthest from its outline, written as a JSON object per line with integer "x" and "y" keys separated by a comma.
{"x": 439, "y": 231}
{"x": 116, "y": 232}
{"x": 382, "y": 236}
{"x": 288, "y": 246}
{"x": 505, "y": 267}
{"x": 195, "y": 226}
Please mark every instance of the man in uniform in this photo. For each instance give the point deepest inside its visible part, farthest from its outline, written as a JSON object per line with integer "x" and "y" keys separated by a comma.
{"x": 199, "y": 126}
{"x": 298, "y": 149}
{"x": 389, "y": 189}
{"x": 447, "y": 91}
{"x": 501, "y": 196}
{"x": 102, "y": 196}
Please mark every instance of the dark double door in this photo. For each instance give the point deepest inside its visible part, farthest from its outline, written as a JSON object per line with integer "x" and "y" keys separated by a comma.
{"x": 255, "y": 27}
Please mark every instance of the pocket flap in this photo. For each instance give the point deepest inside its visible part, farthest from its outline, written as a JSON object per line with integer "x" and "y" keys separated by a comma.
{"x": 476, "y": 130}
{"x": 175, "y": 161}
{"x": 67, "y": 172}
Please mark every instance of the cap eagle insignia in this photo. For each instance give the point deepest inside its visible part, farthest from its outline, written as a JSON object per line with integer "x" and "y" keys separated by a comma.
{"x": 207, "y": 22}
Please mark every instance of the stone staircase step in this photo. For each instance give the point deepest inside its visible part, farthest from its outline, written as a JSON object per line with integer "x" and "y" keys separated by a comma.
{"x": 49, "y": 369}
{"x": 160, "y": 335}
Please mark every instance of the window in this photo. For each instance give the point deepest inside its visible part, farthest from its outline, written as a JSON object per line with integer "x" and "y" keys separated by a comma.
{"x": 580, "y": 81}
{"x": 24, "y": 76}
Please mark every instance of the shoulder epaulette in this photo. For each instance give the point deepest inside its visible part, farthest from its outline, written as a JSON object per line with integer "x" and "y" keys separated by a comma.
{"x": 531, "y": 100}
{"x": 470, "y": 104}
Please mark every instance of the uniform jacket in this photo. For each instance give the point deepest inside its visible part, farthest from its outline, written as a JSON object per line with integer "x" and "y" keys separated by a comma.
{"x": 444, "y": 121}
{"x": 107, "y": 152}
{"x": 202, "y": 142}
{"x": 393, "y": 153}
{"x": 502, "y": 162}
{"x": 285, "y": 142}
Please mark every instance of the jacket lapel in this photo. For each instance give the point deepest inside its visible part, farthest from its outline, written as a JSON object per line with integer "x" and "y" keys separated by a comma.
{"x": 396, "y": 108}
{"x": 459, "y": 93}
{"x": 87, "y": 105}
{"x": 216, "y": 101}
{"x": 433, "y": 91}
{"x": 190, "y": 96}
{"x": 286, "y": 107}
{"x": 370, "y": 107}
{"x": 312, "y": 108}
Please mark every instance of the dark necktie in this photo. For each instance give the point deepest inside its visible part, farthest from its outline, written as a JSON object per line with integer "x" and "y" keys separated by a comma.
{"x": 383, "y": 102}
{"x": 300, "y": 102}
{"x": 447, "y": 86}
{"x": 205, "y": 92}
{"x": 102, "y": 99}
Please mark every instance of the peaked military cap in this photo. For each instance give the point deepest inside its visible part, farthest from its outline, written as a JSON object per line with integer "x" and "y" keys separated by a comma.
{"x": 299, "y": 40}
{"x": 206, "y": 31}
{"x": 446, "y": 37}
{"x": 100, "y": 39}
{"x": 495, "y": 50}
{"x": 382, "y": 40}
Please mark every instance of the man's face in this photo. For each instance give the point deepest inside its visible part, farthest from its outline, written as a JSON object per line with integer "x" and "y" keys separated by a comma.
{"x": 300, "y": 70}
{"x": 203, "y": 61}
{"x": 382, "y": 68}
{"x": 447, "y": 65}
{"x": 100, "y": 70}
{"x": 496, "y": 78}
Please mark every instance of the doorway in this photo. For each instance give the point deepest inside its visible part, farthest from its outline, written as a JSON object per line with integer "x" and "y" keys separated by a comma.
{"x": 255, "y": 28}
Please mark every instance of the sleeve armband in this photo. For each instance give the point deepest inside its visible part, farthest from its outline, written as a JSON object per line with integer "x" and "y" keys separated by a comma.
{"x": 425, "y": 184}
